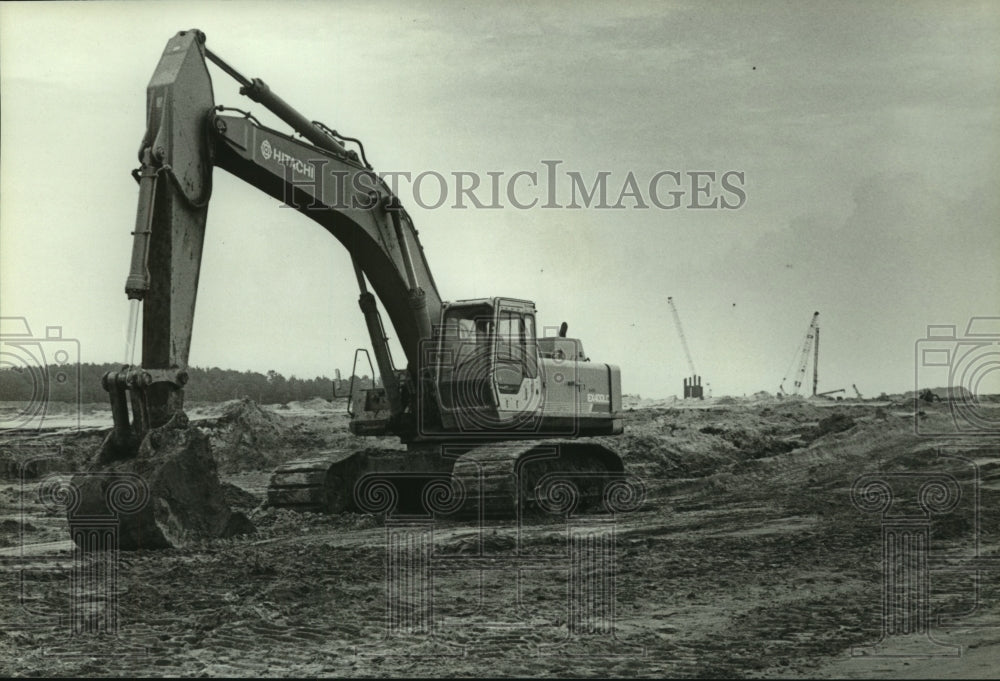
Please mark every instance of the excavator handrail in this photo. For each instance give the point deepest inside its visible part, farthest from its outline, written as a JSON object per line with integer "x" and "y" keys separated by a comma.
{"x": 354, "y": 372}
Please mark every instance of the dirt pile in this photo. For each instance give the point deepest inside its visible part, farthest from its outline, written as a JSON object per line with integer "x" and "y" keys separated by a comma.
{"x": 752, "y": 443}
{"x": 248, "y": 437}
{"x": 671, "y": 447}
{"x": 168, "y": 495}
{"x": 683, "y": 443}
{"x": 245, "y": 436}
{"x": 834, "y": 423}
{"x": 315, "y": 405}
{"x": 667, "y": 456}
{"x": 954, "y": 392}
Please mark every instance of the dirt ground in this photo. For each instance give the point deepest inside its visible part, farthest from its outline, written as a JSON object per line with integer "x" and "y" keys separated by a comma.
{"x": 749, "y": 557}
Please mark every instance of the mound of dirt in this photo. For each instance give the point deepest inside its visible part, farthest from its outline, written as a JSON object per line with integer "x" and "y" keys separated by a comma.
{"x": 311, "y": 405}
{"x": 834, "y": 423}
{"x": 687, "y": 456}
{"x": 245, "y": 436}
{"x": 752, "y": 443}
{"x": 168, "y": 495}
{"x": 248, "y": 437}
{"x": 953, "y": 392}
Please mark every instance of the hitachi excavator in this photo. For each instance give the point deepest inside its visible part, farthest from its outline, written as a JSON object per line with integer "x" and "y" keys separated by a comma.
{"x": 482, "y": 401}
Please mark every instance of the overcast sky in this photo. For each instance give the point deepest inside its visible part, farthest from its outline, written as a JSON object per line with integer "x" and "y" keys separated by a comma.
{"x": 866, "y": 135}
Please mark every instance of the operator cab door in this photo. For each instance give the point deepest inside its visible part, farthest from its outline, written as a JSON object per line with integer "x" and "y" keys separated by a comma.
{"x": 465, "y": 358}
{"x": 516, "y": 383}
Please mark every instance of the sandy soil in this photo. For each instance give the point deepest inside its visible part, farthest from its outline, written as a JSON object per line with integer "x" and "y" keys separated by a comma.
{"x": 748, "y": 558}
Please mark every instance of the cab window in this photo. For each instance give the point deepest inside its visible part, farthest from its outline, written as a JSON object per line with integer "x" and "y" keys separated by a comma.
{"x": 516, "y": 341}
{"x": 467, "y": 332}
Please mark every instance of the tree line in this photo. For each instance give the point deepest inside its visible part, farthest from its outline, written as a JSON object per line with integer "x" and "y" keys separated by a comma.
{"x": 83, "y": 382}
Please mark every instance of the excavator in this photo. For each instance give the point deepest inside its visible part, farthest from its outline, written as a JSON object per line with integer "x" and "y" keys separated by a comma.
{"x": 482, "y": 401}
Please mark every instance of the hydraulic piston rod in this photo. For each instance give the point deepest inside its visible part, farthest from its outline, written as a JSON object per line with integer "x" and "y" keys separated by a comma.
{"x": 258, "y": 91}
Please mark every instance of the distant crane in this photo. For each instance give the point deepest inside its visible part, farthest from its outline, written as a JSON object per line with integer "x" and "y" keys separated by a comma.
{"x": 692, "y": 386}
{"x": 858, "y": 392}
{"x": 811, "y": 342}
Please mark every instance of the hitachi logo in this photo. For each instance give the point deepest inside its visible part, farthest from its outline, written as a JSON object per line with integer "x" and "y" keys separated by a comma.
{"x": 270, "y": 153}
{"x": 597, "y": 397}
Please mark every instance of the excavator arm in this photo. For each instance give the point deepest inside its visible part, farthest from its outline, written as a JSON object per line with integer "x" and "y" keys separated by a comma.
{"x": 187, "y": 135}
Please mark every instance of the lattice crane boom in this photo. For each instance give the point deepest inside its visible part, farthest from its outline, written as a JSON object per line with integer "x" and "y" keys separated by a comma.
{"x": 812, "y": 337}
{"x": 680, "y": 332}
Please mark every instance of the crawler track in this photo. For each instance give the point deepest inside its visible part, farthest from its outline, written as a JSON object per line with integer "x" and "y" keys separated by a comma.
{"x": 494, "y": 481}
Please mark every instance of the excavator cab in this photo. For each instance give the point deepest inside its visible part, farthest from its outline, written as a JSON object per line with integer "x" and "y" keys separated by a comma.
{"x": 483, "y": 360}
